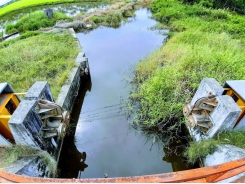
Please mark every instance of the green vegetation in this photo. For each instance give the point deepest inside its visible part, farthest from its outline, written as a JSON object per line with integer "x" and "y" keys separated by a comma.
{"x": 203, "y": 43}
{"x": 236, "y": 5}
{"x": 34, "y": 21}
{"x": 11, "y": 154}
{"x": 199, "y": 150}
{"x": 21, "y": 4}
{"x": 44, "y": 57}
{"x": 113, "y": 20}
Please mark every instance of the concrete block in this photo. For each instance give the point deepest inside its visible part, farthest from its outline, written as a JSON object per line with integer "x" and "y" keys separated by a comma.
{"x": 25, "y": 125}
{"x": 81, "y": 58}
{"x": 225, "y": 114}
{"x": 223, "y": 118}
{"x": 29, "y": 166}
{"x": 223, "y": 154}
{"x": 207, "y": 86}
{"x": 39, "y": 90}
{"x": 69, "y": 91}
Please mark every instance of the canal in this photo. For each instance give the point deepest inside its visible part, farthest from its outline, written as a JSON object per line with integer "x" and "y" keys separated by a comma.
{"x": 101, "y": 141}
{"x": 104, "y": 143}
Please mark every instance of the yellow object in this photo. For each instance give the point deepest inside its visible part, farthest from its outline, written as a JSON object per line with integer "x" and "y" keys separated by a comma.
{"x": 236, "y": 90}
{"x": 8, "y": 104}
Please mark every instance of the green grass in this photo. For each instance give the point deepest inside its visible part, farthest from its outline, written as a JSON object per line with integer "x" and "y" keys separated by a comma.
{"x": 11, "y": 154}
{"x": 44, "y": 57}
{"x": 112, "y": 20}
{"x": 203, "y": 43}
{"x": 34, "y": 21}
{"x": 199, "y": 150}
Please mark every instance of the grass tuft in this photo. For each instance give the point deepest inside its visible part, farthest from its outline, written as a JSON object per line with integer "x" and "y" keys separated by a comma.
{"x": 199, "y": 150}
{"x": 112, "y": 20}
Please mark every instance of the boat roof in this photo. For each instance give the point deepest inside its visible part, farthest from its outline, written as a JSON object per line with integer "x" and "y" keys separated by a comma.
{"x": 238, "y": 86}
{"x": 5, "y": 88}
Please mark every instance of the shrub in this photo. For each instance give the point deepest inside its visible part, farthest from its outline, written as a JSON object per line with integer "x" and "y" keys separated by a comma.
{"x": 10, "y": 28}
{"x": 113, "y": 20}
{"x": 236, "y": 5}
{"x": 199, "y": 150}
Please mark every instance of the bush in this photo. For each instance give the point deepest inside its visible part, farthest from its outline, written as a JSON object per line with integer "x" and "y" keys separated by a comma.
{"x": 199, "y": 150}
{"x": 113, "y": 20}
{"x": 10, "y": 28}
{"x": 236, "y": 5}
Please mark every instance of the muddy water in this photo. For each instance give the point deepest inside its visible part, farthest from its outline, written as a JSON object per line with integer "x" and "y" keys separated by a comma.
{"x": 105, "y": 144}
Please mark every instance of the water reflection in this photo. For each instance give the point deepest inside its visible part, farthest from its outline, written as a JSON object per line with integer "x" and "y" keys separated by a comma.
{"x": 113, "y": 148}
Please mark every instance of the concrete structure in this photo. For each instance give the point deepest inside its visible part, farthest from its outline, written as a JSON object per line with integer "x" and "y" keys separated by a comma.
{"x": 39, "y": 90}
{"x": 30, "y": 166}
{"x": 26, "y": 125}
{"x": 208, "y": 86}
{"x": 214, "y": 111}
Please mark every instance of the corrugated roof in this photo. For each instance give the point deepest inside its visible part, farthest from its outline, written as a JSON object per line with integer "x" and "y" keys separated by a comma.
{"x": 238, "y": 86}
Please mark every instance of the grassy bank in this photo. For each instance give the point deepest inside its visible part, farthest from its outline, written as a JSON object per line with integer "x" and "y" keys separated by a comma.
{"x": 203, "y": 43}
{"x": 44, "y": 57}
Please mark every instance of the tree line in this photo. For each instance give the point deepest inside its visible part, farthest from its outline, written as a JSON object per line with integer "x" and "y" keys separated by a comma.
{"x": 234, "y": 5}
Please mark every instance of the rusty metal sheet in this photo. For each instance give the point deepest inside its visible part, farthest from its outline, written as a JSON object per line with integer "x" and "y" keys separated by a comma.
{"x": 200, "y": 174}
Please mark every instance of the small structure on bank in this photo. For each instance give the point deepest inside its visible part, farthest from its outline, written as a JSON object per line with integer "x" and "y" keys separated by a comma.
{"x": 214, "y": 109}
{"x": 37, "y": 120}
